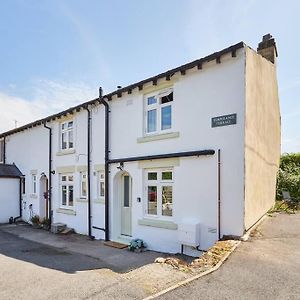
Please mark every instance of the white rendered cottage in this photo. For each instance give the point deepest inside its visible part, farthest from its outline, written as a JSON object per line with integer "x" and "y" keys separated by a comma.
{"x": 179, "y": 159}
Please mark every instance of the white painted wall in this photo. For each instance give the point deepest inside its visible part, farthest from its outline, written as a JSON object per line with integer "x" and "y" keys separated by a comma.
{"x": 9, "y": 199}
{"x": 217, "y": 89}
{"x": 29, "y": 151}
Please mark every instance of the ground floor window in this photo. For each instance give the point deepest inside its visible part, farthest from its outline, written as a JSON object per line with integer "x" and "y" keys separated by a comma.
{"x": 67, "y": 190}
{"x": 159, "y": 192}
{"x": 83, "y": 185}
{"x": 101, "y": 185}
{"x": 34, "y": 185}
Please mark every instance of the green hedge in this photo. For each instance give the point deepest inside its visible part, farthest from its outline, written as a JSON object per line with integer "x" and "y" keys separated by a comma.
{"x": 289, "y": 175}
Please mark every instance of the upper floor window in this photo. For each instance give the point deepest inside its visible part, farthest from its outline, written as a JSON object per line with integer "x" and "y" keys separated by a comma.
{"x": 1, "y": 151}
{"x": 159, "y": 192}
{"x": 158, "y": 114}
{"x": 67, "y": 135}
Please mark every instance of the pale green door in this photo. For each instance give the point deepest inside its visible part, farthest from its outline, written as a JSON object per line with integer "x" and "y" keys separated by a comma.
{"x": 126, "y": 205}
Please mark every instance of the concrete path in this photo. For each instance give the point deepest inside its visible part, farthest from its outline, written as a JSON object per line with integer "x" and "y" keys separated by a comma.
{"x": 265, "y": 267}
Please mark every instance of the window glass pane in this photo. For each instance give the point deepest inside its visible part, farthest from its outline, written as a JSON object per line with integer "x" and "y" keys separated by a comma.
{"x": 167, "y": 98}
{"x": 152, "y": 176}
{"x": 151, "y": 120}
{"x": 71, "y": 195}
{"x": 63, "y": 126}
{"x": 70, "y": 178}
{"x": 64, "y": 140}
{"x": 151, "y": 100}
{"x": 71, "y": 144}
{"x": 126, "y": 191}
{"x": 83, "y": 189}
{"x": 101, "y": 175}
{"x": 70, "y": 124}
{"x": 167, "y": 201}
{"x": 152, "y": 200}
{"x": 166, "y": 117}
{"x": 166, "y": 175}
{"x": 101, "y": 189}
{"x": 63, "y": 178}
{"x": 64, "y": 195}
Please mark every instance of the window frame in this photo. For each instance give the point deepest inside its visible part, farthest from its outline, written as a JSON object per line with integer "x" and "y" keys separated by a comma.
{"x": 69, "y": 132}
{"x": 82, "y": 181}
{"x": 159, "y": 183}
{"x": 158, "y": 106}
{"x": 34, "y": 184}
{"x": 101, "y": 180}
{"x": 68, "y": 183}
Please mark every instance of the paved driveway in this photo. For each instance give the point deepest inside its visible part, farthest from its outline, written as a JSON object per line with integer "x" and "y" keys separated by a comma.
{"x": 265, "y": 267}
{"x": 35, "y": 264}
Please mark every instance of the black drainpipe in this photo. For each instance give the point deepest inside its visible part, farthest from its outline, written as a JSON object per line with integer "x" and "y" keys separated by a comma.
{"x": 20, "y": 200}
{"x": 219, "y": 194}
{"x": 4, "y": 150}
{"x": 106, "y": 158}
{"x": 89, "y": 170}
{"x": 49, "y": 174}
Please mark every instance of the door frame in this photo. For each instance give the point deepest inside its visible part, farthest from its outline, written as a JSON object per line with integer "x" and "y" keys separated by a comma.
{"x": 121, "y": 202}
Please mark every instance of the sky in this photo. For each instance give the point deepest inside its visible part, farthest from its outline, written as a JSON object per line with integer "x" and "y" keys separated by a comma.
{"x": 56, "y": 53}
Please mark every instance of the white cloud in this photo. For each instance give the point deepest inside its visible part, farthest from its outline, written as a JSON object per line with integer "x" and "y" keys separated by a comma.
{"x": 49, "y": 97}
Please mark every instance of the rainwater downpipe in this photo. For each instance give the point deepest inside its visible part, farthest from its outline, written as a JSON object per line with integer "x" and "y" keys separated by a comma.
{"x": 106, "y": 158}
{"x": 89, "y": 170}
{"x": 219, "y": 194}
{"x": 49, "y": 173}
{"x": 4, "y": 150}
{"x": 20, "y": 200}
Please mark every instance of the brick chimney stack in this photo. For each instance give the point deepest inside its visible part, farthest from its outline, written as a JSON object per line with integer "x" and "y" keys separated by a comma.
{"x": 267, "y": 48}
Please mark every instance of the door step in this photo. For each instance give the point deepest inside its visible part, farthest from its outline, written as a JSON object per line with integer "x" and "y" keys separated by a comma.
{"x": 58, "y": 227}
{"x": 115, "y": 245}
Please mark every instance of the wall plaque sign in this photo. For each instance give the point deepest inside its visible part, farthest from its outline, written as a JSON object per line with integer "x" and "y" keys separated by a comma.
{"x": 223, "y": 120}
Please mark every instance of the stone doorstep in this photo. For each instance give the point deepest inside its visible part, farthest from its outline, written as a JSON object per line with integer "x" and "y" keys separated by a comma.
{"x": 58, "y": 227}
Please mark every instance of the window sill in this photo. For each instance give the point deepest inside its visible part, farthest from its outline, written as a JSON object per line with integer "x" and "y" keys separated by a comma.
{"x": 66, "y": 211}
{"x": 158, "y": 223}
{"x": 65, "y": 152}
{"x": 33, "y": 196}
{"x": 158, "y": 137}
{"x": 99, "y": 200}
{"x": 84, "y": 200}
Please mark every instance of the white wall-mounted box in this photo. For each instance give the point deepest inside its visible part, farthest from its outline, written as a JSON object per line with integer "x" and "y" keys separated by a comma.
{"x": 189, "y": 234}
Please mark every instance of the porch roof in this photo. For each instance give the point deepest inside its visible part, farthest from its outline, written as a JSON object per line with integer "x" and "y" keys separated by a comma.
{"x": 9, "y": 171}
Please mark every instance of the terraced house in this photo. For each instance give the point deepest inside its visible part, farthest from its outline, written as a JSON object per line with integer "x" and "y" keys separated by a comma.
{"x": 179, "y": 160}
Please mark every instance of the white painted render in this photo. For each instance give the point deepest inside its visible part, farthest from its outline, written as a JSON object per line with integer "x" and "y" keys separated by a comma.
{"x": 199, "y": 95}
{"x": 9, "y": 201}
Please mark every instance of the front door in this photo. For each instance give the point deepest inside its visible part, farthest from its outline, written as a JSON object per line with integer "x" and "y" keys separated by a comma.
{"x": 126, "y": 205}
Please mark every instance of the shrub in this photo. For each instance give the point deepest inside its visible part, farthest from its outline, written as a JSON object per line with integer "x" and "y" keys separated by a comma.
{"x": 35, "y": 219}
{"x": 288, "y": 177}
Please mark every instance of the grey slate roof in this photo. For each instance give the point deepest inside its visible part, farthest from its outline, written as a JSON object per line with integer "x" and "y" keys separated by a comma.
{"x": 9, "y": 171}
